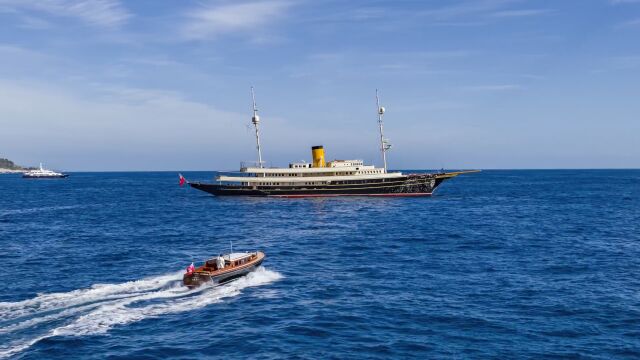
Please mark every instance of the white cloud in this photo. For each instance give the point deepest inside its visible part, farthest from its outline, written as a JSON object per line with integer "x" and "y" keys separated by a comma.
{"x": 104, "y": 13}
{"x": 209, "y": 22}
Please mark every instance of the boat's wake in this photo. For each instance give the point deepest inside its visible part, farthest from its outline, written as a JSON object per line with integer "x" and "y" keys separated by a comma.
{"x": 38, "y": 209}
{"x": 101, "y": 307}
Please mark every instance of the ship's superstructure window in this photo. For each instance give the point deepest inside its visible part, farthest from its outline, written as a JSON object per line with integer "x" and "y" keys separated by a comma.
{"x": 299, "y": 165}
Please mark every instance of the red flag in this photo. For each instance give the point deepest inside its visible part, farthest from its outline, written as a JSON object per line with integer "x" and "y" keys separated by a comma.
{"x": 182, "y": 179}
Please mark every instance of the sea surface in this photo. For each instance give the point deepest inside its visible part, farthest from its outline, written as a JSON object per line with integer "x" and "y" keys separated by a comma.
{"x": 498, "y": 264}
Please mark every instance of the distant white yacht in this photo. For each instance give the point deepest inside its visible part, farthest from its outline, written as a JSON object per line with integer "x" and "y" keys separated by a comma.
{"x": 43, "y": 173}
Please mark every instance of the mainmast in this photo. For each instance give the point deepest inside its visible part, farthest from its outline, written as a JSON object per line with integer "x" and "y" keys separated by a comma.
{"x": 384, "y": 143}
{"x": 256, "y": 120}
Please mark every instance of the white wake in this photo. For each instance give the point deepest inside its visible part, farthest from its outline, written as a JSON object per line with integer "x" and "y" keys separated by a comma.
{"x": 38, "y": 209}
{"x": 101, "y": 307}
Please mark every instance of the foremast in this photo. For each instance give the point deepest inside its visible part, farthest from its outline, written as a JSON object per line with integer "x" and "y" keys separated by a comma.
{"x": 255, "y": 119}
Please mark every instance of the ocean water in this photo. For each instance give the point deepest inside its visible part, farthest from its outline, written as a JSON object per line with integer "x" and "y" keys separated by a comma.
{"x": 499, "y": 264}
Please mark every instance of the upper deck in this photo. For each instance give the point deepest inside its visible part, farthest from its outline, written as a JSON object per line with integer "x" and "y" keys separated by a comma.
{"x": 337, "y": 170}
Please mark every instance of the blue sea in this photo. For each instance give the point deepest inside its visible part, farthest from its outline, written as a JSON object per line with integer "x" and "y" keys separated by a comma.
{"x": 497, "y": 264}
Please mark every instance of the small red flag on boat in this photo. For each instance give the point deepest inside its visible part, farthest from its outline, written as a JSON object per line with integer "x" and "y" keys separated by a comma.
{"x": 182, "y": 179}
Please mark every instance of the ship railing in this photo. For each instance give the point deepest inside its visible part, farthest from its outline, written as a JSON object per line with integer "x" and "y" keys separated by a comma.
{"x": 252, "y": 164}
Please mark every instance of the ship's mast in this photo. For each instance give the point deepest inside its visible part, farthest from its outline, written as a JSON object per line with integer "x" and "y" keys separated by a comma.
{"x": 256, "y": 120}
{"x": 384, "y": 143}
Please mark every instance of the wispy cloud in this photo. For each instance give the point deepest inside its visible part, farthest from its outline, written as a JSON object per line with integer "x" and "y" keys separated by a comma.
{"x": 349, "y": 63}
{"x": 491, "y": 88}
{"x": 626, "y": 62}
{"x": 473, "y": 13}
{"x": 210, "y": 22}
{"x": 21, "y": 53}
{"x": 629, "y": 24}
{"x": 466, "y": 8}
{"x": 618, "y": 2}
{"x": 104, "y": 13}
{"x": 520, "y": 13}
{"x": 155, "y": 61}
{"x": 34, "y": 23}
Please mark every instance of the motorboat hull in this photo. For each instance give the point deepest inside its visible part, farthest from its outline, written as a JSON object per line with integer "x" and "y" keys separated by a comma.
{"x": 215, "y": 278}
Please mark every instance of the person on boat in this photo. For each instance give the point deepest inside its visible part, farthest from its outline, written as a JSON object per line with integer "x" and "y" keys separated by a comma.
{"x": 220, "y": 262}
{"x": 191, "y": 269}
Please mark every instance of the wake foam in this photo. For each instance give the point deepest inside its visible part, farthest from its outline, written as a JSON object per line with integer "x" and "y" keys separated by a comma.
{"x": 38, "y": 209}
{"x": 97, "y": 309}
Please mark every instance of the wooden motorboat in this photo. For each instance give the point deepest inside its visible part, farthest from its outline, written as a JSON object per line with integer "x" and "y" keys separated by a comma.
{"x": 222, "y": 269}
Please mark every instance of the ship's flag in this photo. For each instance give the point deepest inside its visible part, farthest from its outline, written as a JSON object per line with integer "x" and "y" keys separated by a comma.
{"x": 182, "y": 179}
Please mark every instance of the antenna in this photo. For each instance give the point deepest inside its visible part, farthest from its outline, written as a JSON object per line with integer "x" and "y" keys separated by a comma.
{"x": 384, "y": 143}
{"x": 256, "y": 120}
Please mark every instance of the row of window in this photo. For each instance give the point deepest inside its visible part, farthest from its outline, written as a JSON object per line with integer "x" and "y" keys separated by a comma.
{"x": 346, "y": 182}
{"x": 240, "y": 262}
{"x": 291, "y": 184}
{"x": 323, "y": 174}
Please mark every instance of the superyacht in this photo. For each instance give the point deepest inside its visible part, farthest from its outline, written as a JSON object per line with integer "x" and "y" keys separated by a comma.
{"x": 321, "y": 178}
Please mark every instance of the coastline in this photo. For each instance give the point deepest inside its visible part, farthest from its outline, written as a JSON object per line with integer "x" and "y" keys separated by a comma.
{"x": 10, "y": 171}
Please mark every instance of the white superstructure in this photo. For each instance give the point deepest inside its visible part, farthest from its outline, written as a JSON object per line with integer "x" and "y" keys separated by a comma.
{"x": 303, "y": 174}
{"x": 315, "y": 173}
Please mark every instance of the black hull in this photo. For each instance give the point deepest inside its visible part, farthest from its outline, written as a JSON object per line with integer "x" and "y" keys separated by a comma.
{"x": 196, "y": 279}
{"x": 409, "y": 185}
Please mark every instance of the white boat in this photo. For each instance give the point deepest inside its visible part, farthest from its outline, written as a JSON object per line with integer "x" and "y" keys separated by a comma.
{"x": 43, "y": 173}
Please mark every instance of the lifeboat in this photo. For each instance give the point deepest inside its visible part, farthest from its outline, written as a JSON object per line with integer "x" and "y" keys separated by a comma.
{"x": 222, "y": 269}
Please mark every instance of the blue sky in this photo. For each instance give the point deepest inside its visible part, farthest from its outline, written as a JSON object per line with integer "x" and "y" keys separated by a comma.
{"x": 164, "y": 85}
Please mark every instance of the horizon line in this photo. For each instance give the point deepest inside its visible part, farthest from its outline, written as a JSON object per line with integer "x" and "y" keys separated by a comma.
{"x": 408, "y": 169}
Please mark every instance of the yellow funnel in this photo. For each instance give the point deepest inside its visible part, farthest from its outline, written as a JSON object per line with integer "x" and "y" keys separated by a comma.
{"x": 317, "y": 152}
